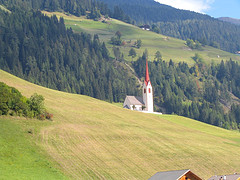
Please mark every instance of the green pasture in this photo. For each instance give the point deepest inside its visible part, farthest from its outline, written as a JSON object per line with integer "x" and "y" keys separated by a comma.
{"x": 170, "y": 48}
{"x": 20, "y": 157}
{"x": 93, "y": 139}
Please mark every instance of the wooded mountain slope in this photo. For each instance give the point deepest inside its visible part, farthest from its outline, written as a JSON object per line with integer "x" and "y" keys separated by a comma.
{"x": 203, "y": 91}
{"x": 181, "y": 23}
{"x": 170, "y": 48}
{"x": 231, "y": 20}
{"x": 43, "y": 51}
{"x": 40, "y": 49}
{"x": 90, "y": 138}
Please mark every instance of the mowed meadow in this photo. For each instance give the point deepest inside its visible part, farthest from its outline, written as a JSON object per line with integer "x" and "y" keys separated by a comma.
{"x": 20, "y": 157}
{"x": 170, "y": 48}
{"x": 93, "y": 139}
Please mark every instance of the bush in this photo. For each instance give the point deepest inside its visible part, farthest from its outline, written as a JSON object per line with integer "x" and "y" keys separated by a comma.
{"x": 36, "y": 103}
{"x": 139, "y": 43}
{"x": 4, "y": 108}
{"x": 13, "y": 103}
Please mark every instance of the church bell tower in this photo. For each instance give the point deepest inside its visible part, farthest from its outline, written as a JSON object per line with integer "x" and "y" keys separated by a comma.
{"x": 147, "y": 92}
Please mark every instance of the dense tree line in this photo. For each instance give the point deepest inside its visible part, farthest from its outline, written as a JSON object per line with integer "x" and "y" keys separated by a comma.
{"x": 181, "y": 23}
{"x": 75, "y": 7}
{"x": 212, "y": 32}
{"x": 228, "y": 73}
{"x": 194, "y": 44}
{"x": 12, "y": 102}
{"x": 92, "y": 8}
{"x": 200, "y": 92}
{"x": 149, "y": 11}
{"x": 40, "y": 49}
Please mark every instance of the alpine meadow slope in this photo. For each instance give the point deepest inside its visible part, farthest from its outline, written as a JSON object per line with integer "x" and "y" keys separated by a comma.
{"x": 170, "y": 48}
{"x": 93, "y": 139}
{"x": 20, "y": 157}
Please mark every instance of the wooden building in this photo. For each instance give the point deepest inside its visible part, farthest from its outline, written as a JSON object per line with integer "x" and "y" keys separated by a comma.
{"x": 175, "y": 175}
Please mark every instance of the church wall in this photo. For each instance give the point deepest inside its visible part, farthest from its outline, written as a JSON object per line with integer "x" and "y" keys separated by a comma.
{"x": 148, "y": 97}
{"x": 137, "y": 107}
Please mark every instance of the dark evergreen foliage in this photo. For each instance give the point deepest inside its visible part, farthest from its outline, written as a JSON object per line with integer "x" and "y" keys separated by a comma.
{"x": 41, "y": 50}
{"x": 228, "y": 73}
{"x": 116, "y": 39}
{"x": 210, "y": 32}
{"x": 149, "y": 11}
{"x": 177, "y": 90}
{"x": 119, "y": 14}
{"x": 92, "y": 8}
{"x": 76, "y": 7}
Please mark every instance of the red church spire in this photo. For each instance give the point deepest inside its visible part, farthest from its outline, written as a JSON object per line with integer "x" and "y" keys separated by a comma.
{"x": 147, "y": 79}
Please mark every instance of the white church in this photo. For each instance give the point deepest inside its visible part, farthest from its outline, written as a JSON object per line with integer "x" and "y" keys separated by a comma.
{"x": 145, "y": 103}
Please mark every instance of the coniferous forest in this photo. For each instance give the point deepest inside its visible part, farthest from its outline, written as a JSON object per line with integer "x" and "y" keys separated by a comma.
{"x": 200, "y": 92}
{"x": 41, "y": 50}
{"x": 75, "y": 7}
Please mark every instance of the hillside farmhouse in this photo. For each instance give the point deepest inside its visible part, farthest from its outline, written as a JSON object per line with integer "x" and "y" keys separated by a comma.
{"x": 226, "y": 177}
{"x": 175, "y": 175}
{"x": 134, "y": 103}
{"x": 145, "y": 27}
{"x": 144, "y": 103}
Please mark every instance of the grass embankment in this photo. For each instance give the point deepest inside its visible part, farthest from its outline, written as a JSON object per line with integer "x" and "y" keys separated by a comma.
{"x": 90, "y": 138}
{"x": 170, "y": 48}
{"x": 4, "y": 9}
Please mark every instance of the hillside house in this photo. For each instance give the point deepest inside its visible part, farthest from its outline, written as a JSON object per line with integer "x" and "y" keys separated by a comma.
{"x": 144, "y": 103}
{"x": 226, "y": 177}
{"x": 175, "y": 175}
{"x": 145, "y": 27}
{"x": 134, "y": 103}
{"x": 238, "y": 52}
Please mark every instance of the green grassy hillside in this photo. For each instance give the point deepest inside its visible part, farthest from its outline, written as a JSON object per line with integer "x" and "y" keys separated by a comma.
{"x": 20, "y": 158}
{"x": 90, "y": 138}
{"x": 170, "y": 48}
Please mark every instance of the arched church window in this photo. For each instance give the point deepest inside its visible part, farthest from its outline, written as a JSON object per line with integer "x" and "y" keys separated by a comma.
{"x": 149, "y": 90}
{"x": 144, "y": 90}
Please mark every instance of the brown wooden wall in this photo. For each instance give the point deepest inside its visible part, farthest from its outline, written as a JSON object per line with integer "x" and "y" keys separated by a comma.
{"x": 190, "y": 176}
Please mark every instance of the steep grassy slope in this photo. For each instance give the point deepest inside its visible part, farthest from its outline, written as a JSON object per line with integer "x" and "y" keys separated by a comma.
{"x": 90, "y": 138}
{"x": 169, "y": 47}
{"x": 20, "y": 158}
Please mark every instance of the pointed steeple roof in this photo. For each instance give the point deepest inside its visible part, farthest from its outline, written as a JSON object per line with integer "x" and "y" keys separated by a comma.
{"x": 147, "y": 79}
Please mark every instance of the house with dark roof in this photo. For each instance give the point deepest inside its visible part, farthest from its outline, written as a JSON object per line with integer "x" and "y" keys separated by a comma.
{"x": 175, "y": 175}
{"x": 145, "y": 27}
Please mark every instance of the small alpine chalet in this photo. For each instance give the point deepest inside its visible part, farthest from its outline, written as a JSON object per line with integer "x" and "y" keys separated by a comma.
{"x": 144, "y": 103}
